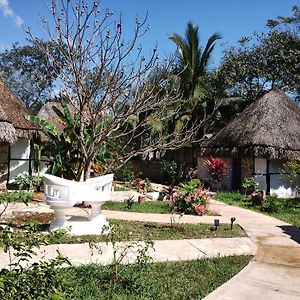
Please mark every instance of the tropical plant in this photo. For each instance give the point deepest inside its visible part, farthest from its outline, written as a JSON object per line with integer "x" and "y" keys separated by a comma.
{"x": 63, "y": 149}
{"x": 27, "y": 182}
{"x": 291, "y": 171}
{"x": 216, "y": 168}
{"x": 171, "y": 171}
{"x": 190, "y": 186}
{"x": 250, "y": 184}
{"x": 192, "y": 60}
{"x": 199, "y": 93}
{"x": 189, "y": 198}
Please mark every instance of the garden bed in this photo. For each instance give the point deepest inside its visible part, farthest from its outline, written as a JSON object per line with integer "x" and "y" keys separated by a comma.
{"x": 156, "y": 207}
{"x": 131, "y": 230}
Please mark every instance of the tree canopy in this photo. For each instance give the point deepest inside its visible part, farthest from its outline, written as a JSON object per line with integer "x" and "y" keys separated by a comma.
{"x": 28, "y": 74}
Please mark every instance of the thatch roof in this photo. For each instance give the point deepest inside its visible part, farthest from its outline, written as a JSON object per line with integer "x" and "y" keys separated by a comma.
{"x": 7, "y": 130}
{"x": 46, "y": 112}
{"x": 15, "y": 112}
{"x": 269, "y": 128}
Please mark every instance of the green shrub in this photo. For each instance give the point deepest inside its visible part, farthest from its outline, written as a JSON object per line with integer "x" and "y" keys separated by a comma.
{"x": 127, "y": 172}
{"x": 35, "y": 281}
{"x": 190, "y": 198}
{"x": 272, "y": 204}
{"x": 171, "y": 171}
{"x": 29, "y": 183}
{"x": 250, "y": 185}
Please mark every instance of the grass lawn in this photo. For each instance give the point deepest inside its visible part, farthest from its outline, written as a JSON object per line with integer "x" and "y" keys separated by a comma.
{"x": 287, "y": 210}
{"x": 130, "y": 231}
{"x": 180, "y": 280}
{"x": 159, "y": 207}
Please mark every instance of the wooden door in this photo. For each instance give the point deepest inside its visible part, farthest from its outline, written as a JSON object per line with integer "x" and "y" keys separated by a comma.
{"x": 236, "y": 174}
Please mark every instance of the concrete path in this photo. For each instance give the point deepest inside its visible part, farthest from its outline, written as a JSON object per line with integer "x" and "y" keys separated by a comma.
{"x": 274, "y": 273}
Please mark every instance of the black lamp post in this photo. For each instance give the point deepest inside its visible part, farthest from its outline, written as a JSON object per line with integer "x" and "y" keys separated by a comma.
{"x": 232, "y": 220}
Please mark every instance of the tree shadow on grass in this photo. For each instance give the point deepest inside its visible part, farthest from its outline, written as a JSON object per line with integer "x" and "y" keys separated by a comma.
{"x": 292, "y": 231}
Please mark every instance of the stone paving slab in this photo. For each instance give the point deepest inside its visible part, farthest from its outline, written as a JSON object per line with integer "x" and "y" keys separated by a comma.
{"x": 166, "y": 250}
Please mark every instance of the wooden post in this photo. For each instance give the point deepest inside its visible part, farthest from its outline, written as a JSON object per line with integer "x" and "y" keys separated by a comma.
{"x": 268, "y": 177}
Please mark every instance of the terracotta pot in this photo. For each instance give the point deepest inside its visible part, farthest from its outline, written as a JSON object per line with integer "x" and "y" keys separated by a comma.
{"x": 141, "y": 199}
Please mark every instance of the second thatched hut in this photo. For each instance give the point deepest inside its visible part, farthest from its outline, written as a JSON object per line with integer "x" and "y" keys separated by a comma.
{"x": 16, "y": 133}
{"x": 257, "y": 143}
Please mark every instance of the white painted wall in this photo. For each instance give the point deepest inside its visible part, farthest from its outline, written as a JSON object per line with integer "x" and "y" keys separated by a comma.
{"x": 19, "y": 150}
{"x": 260, "y": 168}
{"x": 279, "y": 185}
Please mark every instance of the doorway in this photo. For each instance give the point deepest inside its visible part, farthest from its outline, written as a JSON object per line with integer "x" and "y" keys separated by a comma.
{"x": 236, "y": 174}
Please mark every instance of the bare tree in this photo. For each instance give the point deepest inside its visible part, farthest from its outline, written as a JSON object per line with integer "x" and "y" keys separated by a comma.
{"x": 118, "y": 93}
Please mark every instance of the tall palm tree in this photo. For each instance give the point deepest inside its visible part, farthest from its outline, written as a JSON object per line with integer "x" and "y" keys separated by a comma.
{"x": 193, "y": 61}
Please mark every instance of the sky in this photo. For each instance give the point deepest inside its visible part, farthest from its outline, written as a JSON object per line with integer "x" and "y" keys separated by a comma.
{"x": 233, "y": 19}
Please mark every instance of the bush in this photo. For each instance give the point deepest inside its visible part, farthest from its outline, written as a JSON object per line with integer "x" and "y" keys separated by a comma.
{"x": 250, "y": 185}
{"x": 29, "y": 183}
{"x": 190, "y": 198}
{"x": 127, "y": 172}
{"x": 272, "y": 204}
{"x": 23, "y": 279}
{"x": 36, "y": 281}
{"x": 171, "y": 171}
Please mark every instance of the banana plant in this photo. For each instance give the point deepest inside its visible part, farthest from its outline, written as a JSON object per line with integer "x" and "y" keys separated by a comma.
{"x": 63, "y": 148}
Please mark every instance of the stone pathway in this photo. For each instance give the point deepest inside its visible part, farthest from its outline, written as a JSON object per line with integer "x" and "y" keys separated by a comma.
{"x": 274, "y": 272}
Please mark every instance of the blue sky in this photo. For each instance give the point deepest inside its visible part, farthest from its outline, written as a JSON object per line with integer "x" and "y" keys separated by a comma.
{"x": 231, "y": 18}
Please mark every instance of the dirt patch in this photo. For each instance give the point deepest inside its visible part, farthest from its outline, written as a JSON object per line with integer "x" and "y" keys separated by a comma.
{"x": 21, "y": 218}
{"x": 282, "y": 255}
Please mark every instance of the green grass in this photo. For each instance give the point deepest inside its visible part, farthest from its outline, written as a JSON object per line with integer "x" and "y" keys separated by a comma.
{"x": 180, "y": 280}
{"x": 131, "y": 231}
{"x": 287, "y": 210}
{"x": 159, "y": 207}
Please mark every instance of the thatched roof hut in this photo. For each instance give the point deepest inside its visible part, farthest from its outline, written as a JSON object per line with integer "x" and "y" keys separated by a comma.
{"x": 7, "y": 130}
{"x": 14, "y": 112}
{"x": 268, "y": 128}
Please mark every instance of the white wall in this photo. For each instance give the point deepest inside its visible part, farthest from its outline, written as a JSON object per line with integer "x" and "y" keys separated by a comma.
{"x": 260, "y": 168}
{"x": 279, "y": 185}
{"x": 19, "y": 150}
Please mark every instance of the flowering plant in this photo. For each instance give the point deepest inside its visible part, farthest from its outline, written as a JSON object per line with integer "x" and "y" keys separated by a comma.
{"x": 217, "y": 168}
{"x": 187, "y": 200}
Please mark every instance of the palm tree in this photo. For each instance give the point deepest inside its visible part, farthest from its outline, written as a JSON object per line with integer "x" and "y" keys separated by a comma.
{"x": 193, "y": 61}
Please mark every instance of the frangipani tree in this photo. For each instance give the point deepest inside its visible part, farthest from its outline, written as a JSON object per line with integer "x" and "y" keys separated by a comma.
{"x": 107, "y": 80}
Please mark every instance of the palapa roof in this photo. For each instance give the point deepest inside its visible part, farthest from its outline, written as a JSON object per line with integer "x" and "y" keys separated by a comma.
{"x": 269, "y": 128}
{"x": 46, "y": 112}
{"x": 14, "y": 113}
{"x": 7, "y": 130}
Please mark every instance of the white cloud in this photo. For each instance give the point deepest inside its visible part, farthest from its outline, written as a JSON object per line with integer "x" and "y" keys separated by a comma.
{"x": 8, "y": 12}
